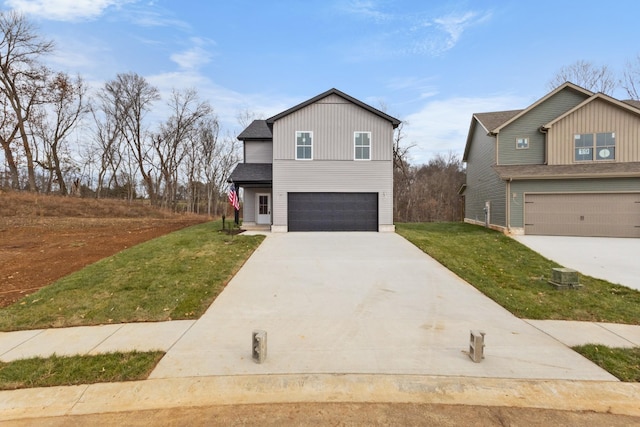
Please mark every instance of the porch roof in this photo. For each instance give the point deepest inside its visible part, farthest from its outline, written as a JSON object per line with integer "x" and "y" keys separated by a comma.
{"x": 246, "y": 174}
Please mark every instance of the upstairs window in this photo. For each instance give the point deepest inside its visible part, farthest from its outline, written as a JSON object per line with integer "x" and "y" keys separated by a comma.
{"x": 598, "y": 146}
{"x": 304, "y": 145}
{"x": 522, "y": 143}
{"x": 362, "y": 146}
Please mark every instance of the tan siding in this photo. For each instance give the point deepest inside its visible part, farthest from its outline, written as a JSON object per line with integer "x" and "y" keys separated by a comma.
{"x": 595, "y": 117}
{"x": 258, "y": 152}
{"x": 332, "y": 176}
{"x": 333, "y": 122}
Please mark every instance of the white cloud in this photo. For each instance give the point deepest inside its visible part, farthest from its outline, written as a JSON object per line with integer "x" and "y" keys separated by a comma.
{"x": 65, "y": 10}
{"x": 195, "y": 56}
{"x": 366, "y": 9}
{"x": 441, "y": 126}
{"x": 442, "y": 34}
{"x": 226, "y": 103}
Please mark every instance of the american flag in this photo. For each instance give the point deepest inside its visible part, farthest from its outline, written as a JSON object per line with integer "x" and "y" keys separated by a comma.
{"x": 233, "y": 197}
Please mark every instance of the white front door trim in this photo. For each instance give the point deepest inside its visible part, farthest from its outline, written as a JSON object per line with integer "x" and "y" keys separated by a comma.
{"x": 263, "y": 208}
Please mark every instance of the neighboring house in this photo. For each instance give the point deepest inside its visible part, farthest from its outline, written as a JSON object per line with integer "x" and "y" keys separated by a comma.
{"x": 569, "y": 164}
{"x": 324, "y": 165}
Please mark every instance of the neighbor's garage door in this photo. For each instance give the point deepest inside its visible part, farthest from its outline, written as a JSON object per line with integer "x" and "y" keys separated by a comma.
{"x": 333, "y": 211}
{"x": 602, "y": 214}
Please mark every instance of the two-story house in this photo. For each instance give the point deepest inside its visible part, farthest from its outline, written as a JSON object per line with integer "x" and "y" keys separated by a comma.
{"x": 569, "y": 164}
{"x": 323, "y": 165}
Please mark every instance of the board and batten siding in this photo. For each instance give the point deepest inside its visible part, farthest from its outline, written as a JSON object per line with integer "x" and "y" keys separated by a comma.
{"x": 528, "y": 126}
{"x": 520, "y": 188}
{"x": 332, "y": 176}
{"x": 597, "y": 116}
{"x": 333, "y": 121}
{"x": 258, "y": 151}
{"x": 483, "y": 183}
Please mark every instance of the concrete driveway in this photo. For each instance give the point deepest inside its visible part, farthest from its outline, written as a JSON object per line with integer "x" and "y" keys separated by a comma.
{"x": 608, "y": 258}
{"x": 361, "y": 303}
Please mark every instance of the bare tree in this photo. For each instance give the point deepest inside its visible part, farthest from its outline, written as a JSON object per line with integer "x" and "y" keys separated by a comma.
{"x": 55, "y": 120}
{"x": 587, "y": 75}
{"x": 127, "y": 99}
{"x": 170, "y": 143}
{"x": 22, "y": 79}
{"x": 631, "y": 78}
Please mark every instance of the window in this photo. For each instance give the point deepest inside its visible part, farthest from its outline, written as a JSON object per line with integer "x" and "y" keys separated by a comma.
{"x": 362, "y": 145}
{"x": 604, "y": 148}
{"x": 304, "y": 145}
{"x": 522, "y": 143}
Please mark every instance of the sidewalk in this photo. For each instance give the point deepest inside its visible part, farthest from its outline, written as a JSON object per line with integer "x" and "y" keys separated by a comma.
{"x": 164, "y": 335}
{"x": 375, "y": 320}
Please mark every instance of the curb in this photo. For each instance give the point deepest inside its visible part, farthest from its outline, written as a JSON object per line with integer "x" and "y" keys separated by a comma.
{"x": 597, "y": 396}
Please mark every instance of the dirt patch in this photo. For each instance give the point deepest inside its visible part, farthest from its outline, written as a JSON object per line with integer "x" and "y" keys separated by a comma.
{"x": 36, "y": 251}
{"x": 341, "y": 414}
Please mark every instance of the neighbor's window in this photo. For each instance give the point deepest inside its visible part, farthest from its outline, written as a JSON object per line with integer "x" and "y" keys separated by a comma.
{"x": 604, "y": 147}
{"x": 304, "y": 145}
{"x": 362, "y": 145}
{"x": 522, "y": 143}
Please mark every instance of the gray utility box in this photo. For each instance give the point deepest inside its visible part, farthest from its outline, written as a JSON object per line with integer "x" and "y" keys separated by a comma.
{"x": 565, "y": 278}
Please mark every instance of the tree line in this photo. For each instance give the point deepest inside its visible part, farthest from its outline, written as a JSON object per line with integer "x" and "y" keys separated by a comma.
{"x": 56, "y": 137}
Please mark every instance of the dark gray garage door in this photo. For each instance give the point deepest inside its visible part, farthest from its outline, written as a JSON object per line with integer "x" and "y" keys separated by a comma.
{"x": 583, "y": 214}
{"x": 333, "y": 211}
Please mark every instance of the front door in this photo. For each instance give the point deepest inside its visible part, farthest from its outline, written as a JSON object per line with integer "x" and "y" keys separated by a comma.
{"x": 263, "y": 204}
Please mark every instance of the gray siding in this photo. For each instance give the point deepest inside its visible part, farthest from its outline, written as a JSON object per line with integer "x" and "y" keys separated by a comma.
{"x": 258, "y": 152}
{"x": 564, "y": 186}
{"x": 483, "y": 184}
{"x": 332, "y": 176}
{"x": 333, "y": 121}
{"x": 249, "y": 203}
{"x": 595, "y": 117}
{"x": 527, "y": 126}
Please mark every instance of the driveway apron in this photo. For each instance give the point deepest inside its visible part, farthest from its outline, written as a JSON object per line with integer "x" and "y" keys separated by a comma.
{"x": 364, "y": 303}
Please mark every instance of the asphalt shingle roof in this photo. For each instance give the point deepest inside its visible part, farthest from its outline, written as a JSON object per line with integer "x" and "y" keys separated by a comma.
{"x": 494, "y": 119}
{"x": 582, "y": 170}
{"x": 258, "y": 129}
{"x": 252, "y": 173}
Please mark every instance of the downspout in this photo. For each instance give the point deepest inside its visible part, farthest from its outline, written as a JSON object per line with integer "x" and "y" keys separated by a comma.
{"x": 544, "y": 130}
{"x": 509, "y": 205}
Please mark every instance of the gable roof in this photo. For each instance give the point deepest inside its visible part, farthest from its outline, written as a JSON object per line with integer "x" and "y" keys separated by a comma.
{"x": 395, "y": 122}
{"x": 566, "y": 85}
{"x": 258, "y": 129}
{"x": 488, "y": 121}
{"x": 601, "y": 96}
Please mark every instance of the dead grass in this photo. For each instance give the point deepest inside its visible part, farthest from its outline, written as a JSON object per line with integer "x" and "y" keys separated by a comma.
{"x": 34, "y": 205}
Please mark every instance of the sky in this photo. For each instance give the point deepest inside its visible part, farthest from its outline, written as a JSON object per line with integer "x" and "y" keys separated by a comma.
{"x": 431, "y": 64}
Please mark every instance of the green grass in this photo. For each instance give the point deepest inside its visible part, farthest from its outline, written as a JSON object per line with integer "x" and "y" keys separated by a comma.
{"x": 64, "y": 371}
{"x": 516, "y": 277}
{"x": 623, "y": 363}
{"x": 176, "y": 276}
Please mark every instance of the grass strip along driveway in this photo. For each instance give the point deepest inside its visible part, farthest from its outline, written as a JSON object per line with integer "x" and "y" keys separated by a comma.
{"x": 516, "y": 277}
{"x": 74, "y": 370}
{"x": 176, "y": 276}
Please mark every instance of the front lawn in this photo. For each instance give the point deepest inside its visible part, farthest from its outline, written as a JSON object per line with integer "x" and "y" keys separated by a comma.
{"x": 73, "y": 370}
{"x": 516, "y": 277}
{"x": 176, "y": 276}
